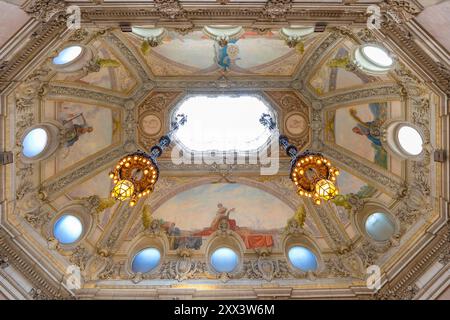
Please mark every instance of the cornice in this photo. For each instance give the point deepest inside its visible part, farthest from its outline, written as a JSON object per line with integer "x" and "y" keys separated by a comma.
{"x": 402, "y": 286}
{"x": 43, "y": 286}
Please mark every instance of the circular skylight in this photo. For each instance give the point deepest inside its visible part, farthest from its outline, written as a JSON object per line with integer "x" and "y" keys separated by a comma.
{"x": 379, "y": 226}
{"x": 302, "y": 258}
{"x": 373, "y": 58}
{"x": 224, "y": 260}
{"x": 410, "y": 140}
{"x": 34, "y": 142}
{"x": 67, "y": 55}
{"x": 67, "y": 229}
{"x": 146, "y": 260}
{"x": 377, "y": 55}
{"x": 223, "y": 123}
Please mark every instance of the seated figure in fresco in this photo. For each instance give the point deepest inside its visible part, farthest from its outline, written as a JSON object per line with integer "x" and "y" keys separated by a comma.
{"x": 180, "y": 239}
{"x": 222, "y": 213}
{"x": 251, "y": 239}
{"x": 371, "y": 129}
{"x": 75, "y": 130}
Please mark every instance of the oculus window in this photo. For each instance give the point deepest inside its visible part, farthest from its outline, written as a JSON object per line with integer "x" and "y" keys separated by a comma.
{"x": 410, "y": 140}
{"x": 67, "y": 55}
{"x": 379, "y": 226}
{"x": 67, "y": 229}
{"x": 373, "y": 58}
{"x": 224, "y": 260}
{"x": 146, "y": 260}
{"x": 302, "y": 258}
{"x": 223, "y": 123}
{"x": 34, "y": 142}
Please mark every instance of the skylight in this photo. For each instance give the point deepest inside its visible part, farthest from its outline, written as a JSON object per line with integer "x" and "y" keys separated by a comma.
{"x": 223, "y": 123}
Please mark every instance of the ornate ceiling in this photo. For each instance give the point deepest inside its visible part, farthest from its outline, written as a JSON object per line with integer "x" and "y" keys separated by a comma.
{"x": 126, "y": 95}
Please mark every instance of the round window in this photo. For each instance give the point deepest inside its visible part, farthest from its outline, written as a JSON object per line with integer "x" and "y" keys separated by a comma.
{"x": 302, "y": 258}
{"x": 373, "y": 58}
{"x": 410, "y": 140}
{"x": 224, "y": 260}
{"x": 34, "y": 142}
{"x": 379, "y": 226}
{"x": 377, "y": 55}
{"x": 146, "y": 260}
{"x": 67, "y": 55}
{"x": 67, "y": 229}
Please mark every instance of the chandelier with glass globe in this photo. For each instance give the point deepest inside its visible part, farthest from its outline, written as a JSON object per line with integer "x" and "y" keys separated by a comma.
{"x": 136, "y": 174}
{"x": 311, "y": 172}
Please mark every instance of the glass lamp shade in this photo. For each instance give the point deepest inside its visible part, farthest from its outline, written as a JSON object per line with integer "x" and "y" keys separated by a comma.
{"x": 326, "y": 189}
{"x": 123, "y": 190}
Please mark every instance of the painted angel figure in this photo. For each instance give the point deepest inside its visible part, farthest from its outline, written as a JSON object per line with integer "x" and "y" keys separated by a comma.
{"x": 371, "y": 129}
{"x": 226, "y": 55}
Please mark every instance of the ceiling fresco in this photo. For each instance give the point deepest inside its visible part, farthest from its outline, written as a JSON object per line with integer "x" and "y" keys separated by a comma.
{"x": 194, "y": 54}
{"x": 358, "y": 129}
{"x": 122, "y": 99}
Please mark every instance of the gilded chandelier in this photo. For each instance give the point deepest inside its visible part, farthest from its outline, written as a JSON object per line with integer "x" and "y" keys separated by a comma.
{"x": 136, "y": 174}
{"x": 311, "y": 172}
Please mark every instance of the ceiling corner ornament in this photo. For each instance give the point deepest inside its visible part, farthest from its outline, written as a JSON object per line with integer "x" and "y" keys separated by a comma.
{"x": 311, "y": 172}
{"x": 276, "y": 9}
{"x": 136, "y": 174}
{"x": 44, "y": 10}
{"x": 169, "y": 8}
{"x": 399, "y": 11}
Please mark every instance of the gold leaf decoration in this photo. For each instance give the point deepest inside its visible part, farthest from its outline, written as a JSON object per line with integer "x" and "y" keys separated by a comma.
{"x": 146, "y": 216}
{"x": 145, "y": 47}
{"x": 300, "y": 215}
{"x": 104, "y": 204}
{"x": 339, "y": 62}
{"x": 300, "y": 47}
{"x": 108, "y": 63}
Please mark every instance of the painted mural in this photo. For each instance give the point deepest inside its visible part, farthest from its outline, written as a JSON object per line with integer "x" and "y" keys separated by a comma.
{"x": 196, "y": 54}
{"x": 357, "y": 128}
{"x": 193, "y": 215}
{"x": 114, "y": 77}
{"x": 333, "y": 73}
{"x": 102, "y": 185}
{"x": 350, "y": 187}
{"x": 88, "y": 129}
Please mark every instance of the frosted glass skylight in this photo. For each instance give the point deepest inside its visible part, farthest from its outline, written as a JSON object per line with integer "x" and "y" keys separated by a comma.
{"x": 223, "y": 123}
